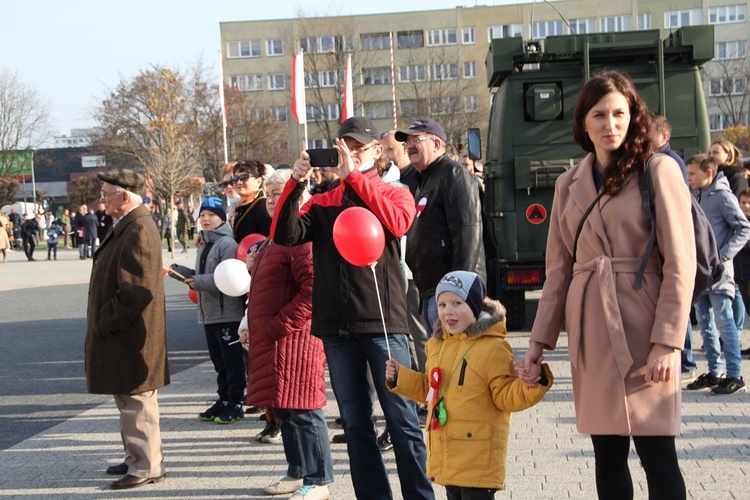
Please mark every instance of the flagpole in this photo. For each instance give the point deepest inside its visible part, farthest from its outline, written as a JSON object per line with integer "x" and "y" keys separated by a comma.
{"x": 223, "y": 108}
{"x": 299, "y": 107}
{"x": 348, "y": 99}
{"x": 393, "y": 82}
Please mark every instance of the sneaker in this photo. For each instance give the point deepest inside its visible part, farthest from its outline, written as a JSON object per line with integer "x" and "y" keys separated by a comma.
{"x": 266, "y": 430}
{"x": 283, "y": 486}
{"x": 745, "y": 352}
{"x": 688, "y": 376}
{"x": 213, "y": 412}
{"x": 274, "y": 436}
{"x": 422, "y": 415}
{"x": 311, "y": 492}
{"x": 231, "y": 413}
{"x": 384, "y": 441}
{"x": 729, "y": 385}
{"x": 705, "y": 381}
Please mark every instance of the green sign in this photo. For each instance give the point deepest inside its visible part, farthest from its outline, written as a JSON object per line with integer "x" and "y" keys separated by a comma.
{"x": 16, "y": 163}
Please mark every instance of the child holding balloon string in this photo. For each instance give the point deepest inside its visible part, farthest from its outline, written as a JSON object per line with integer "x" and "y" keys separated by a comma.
{"x": 220, "y": 314}
{"x": 471, "y": 386}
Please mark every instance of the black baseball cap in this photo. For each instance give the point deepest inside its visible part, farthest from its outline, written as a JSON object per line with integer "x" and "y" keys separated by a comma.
{"x": 419, "y": 127}
{"x": 359, "y": 128}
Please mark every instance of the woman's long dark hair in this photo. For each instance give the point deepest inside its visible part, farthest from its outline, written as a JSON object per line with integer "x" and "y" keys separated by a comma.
{"x": 638, "y": 145}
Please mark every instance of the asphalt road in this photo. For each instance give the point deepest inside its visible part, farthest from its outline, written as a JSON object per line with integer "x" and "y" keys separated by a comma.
{"x": 42, "y": 330}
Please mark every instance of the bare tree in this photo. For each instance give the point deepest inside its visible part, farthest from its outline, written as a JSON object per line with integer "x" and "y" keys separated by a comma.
{"x": 24, "y": 122}
{"x": 84, "y": 190}
{"x": 728, "y": 86}
{"x": 158, "y": 120}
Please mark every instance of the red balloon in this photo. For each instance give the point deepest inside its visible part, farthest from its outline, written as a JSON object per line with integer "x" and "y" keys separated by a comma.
{"x": 247, "y": 242}
{"x": 193, "y": 295}
{"x": 358, "y": 236}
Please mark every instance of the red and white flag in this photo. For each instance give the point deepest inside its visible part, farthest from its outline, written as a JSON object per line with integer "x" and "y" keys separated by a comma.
{"x": 299, "y": 109}
{"x": 347, "y": 106}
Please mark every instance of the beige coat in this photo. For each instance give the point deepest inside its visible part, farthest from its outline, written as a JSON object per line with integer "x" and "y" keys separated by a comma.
{"x": 611, "y": 325}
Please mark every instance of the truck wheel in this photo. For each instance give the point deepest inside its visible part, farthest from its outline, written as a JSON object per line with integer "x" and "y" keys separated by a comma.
{"x": 515, "y": 305}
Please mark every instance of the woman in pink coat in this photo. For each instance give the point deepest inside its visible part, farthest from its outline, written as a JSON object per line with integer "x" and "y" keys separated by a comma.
{"x": 286, "y": 364}
{"x": 624, "y": 343}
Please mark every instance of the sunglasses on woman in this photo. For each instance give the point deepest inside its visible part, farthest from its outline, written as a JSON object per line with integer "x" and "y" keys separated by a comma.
{"x": 238, "y": 178}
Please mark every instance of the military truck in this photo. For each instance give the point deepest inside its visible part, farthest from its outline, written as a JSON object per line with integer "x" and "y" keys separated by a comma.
{"x": 530, "y": 136}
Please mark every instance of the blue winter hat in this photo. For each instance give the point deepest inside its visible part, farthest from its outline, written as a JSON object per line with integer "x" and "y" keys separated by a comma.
{"x": 467, "y": 285}
{"x": 216, "y": 205}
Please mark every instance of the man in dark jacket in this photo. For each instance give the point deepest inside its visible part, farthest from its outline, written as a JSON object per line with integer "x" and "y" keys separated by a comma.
{"x": 29, "y": 227}
{"x": 447, "y": 233}
{"x": 91, "y": 233}
{"x": 126, "y": 345}
{"x": 183, "y": 226}
{"x": 346, "y": 312}
{"x": 104, "y": 222}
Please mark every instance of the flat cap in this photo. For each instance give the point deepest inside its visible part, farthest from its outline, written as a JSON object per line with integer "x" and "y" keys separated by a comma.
{"x": 125, "y": 178}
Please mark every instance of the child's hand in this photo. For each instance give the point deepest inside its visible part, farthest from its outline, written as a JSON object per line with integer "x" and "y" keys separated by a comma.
{"x": 391, "y": 370}
{"x": 190, "y": 282}
{"x": 251, "y": 258}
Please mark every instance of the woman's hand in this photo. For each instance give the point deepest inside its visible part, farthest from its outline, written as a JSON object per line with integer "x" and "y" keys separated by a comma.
{"x": 659, "y": 363}
{"x": 533, "y": 356}
{"x": 190, "y": 282}
{"x": 251, "y": 254}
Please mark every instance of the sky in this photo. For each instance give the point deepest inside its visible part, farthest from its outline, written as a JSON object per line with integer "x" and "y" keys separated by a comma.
{"x": 72, "y": 51}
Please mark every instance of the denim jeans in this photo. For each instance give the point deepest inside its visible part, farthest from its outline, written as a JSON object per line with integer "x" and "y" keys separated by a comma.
{"x": 688, "y": 360}
{"x": 429, "y": 314}
{"x": 231, "y": 377}
{"x": 306, "y": 446}
{"x": 348, "y": 358}
{"x": 715, "y": 311}
{"x": 738, "y": 309}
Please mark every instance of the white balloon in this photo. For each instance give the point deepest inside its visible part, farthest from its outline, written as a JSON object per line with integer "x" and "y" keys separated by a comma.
{"x": 231, "y": 277}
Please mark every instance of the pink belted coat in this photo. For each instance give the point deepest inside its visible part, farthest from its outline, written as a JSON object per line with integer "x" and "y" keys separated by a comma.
{"x": 611, "y": 325}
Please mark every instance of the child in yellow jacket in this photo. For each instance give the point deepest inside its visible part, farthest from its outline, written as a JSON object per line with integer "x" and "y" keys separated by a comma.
{"x": 471, "y": 386}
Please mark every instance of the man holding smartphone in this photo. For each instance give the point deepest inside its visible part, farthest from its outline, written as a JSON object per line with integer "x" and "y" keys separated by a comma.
{"x": 350, "y": 325}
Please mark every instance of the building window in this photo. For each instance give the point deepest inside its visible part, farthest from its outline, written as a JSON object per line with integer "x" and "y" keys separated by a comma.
{"x": 443, "y": 72}
{"x": 318, "y": 44}
{"x": 442, "y": 37}
{"x": 644, "y": 21}
{"x": 317, "y": 143}
{"x": 731, "y": 50}
{"x": 718, "y": 87}
{"x": 279, "y": 113}
{"x": 414, "y": 107}
{"x": 376, "y": 110}
{"x": 410, "y": 39}
{"x": 376, "y": 76}
{"x": 346, "y": 42}
{"x": 504, "y": 31}
{"x": 276, "y": 81}
{"x": 727, "y": 14}
{"x": 678, "y": 18}
{"x": 244, "y": 48}
{"x": 247, "y": 83}
{"x": 470, "y": 69}
{"x": 315, "y": 114}
{"x": 739, "y": 86}
{"x": 332, "y": 111}
{"x": 376, "y": 41}
{"x": 321, "y": 79}
{"x": 720, "y": 122}
{"x": 468, "y": 36}
{"x": 471, "y": 103}
{"x": 583, "y": 26}
{"x": 413, "y": 73}
{"x": 445, "y": 105}
{"x": 274, "y": 47}
{"x": 617, "y": 23}
{"x": 256, "y": 114}
{"x": 546, "y": 28}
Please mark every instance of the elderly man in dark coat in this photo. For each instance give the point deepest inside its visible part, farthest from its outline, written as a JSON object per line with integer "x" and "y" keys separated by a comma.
{"x": 126, "y": 347}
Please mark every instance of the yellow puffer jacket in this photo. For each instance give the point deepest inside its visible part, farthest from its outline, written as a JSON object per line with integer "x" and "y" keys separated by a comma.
{"x": 470, "y": 449}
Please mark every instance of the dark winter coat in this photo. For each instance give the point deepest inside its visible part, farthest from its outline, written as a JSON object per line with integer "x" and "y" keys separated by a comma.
{"x": 286, "y": 365}
{"x": 126, "y": 338}
{"x": 447, "y": 232}
{"x": 251, "y": 218}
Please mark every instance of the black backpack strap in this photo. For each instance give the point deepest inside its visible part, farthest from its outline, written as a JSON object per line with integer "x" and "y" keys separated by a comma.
{"x": 580, "y": 225}
{"x": 646, "y": 186}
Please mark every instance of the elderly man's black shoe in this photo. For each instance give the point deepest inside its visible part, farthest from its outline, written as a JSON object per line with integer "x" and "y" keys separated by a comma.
{"x": 118, "y": 470}
{"x": 130, "y": 481}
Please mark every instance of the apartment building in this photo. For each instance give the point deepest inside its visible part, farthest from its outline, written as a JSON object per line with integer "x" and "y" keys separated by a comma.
{"x": 438, "y": 56}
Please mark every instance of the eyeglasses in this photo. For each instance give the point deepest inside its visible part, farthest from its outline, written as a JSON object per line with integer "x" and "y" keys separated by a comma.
{"x": 239, "y": 178}
{"x": 227, "y": 183}
{"x": 360, "y": 149}
{"x": 103, "y": 194}
{"x": 417, "y": 140}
